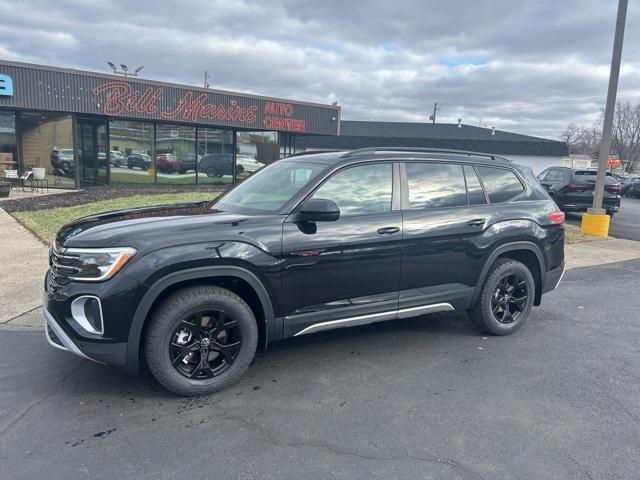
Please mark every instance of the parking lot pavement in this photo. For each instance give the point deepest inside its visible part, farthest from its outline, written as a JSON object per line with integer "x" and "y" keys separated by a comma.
{"x": 625, "y": 224}
{"x": 419, "y": 398}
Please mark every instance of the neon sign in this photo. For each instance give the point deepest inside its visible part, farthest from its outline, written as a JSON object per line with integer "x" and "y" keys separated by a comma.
{"x": 121, "y": 99}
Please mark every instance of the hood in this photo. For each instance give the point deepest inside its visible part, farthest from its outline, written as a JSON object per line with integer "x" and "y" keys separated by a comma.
{"x": 157, "y": 227}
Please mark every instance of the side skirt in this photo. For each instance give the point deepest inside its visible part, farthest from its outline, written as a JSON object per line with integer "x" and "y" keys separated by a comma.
{"x": 377, "y": 317}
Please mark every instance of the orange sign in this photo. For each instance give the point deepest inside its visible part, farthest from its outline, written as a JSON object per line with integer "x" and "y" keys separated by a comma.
{"x": 613, "y": 162}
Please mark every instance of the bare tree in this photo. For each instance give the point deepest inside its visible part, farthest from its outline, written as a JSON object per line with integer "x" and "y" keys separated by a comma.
{"x": 625, "y": 137}
{"x": 582, "y": 140}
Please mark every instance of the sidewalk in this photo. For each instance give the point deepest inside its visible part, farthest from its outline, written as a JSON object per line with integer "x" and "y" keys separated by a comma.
{"x": 24, "y": 262}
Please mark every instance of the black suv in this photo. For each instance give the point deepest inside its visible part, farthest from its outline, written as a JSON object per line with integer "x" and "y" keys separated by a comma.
{"x": 572, "y": 189}
{"x": 309, "y": 243}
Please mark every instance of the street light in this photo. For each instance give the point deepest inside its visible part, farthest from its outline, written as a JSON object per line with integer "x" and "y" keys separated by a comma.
{"x": 124, "y": 70}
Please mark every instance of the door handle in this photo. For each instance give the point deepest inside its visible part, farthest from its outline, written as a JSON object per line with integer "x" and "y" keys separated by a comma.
{"x": 388, "y": 230}
{"x": 477, "y": 222}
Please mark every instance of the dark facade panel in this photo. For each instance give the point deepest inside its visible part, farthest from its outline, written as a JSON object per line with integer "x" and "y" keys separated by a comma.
{"x": 497, "y": 147}
{"x": 46, "y": 88}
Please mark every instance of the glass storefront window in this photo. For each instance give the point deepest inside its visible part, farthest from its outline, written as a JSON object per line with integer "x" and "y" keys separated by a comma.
{"x": 47, "y": 142}
{"x": 131, "y": 154}
{"x": 175, "y": 154}
{"x": 8, "y": 145}
{"x": 255, "y": 150}
{"x": 215, "y": 156}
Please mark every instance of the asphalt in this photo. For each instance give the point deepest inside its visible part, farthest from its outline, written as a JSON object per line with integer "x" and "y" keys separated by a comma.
{"x": 422, "y": 398}
{"x": 625, "y": 224}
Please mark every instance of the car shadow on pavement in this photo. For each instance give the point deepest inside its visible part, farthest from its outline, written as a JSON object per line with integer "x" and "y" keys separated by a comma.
{"x": 371, "y": 342}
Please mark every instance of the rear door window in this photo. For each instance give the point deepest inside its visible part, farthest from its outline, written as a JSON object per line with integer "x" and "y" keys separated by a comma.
{"x": 475, "y": 193}
{"x": 435, "y": 185}
{"x": 500, "y": 184}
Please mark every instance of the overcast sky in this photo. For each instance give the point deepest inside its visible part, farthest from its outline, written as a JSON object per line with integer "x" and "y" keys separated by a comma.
{"x": 525, "y": 66}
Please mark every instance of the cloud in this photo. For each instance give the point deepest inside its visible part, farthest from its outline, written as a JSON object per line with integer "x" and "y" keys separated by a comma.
{"x": 530, "y": 66}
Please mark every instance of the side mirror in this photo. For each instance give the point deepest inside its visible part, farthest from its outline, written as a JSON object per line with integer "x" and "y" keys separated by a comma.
{"x": 319, "y": 210}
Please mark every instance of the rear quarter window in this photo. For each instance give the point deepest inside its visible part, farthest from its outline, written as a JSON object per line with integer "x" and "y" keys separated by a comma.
{"x": 500, "y": 184}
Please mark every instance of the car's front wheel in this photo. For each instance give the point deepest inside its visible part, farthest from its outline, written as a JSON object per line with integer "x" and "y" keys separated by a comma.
{"x": 506, "y": 298}
{"x": 200, "y": 340}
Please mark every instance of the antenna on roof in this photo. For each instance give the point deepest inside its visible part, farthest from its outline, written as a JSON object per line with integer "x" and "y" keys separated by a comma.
{"x": 433, "y": 116}
{"x": 459, "y": 123}
{"x": 493, "y": 130}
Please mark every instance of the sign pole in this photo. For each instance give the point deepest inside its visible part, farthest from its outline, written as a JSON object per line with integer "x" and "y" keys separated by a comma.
{"x": 591, "y": 224}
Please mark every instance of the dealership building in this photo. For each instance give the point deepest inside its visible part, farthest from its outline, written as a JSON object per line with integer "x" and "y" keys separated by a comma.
{"x": 536, "y": 152}
{"x": 83, "y": 129}
{"x": 86, "y": 129}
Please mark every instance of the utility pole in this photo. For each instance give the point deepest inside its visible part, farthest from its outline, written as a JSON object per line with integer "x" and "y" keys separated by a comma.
{"x": 596, "y": 221}
{"x": 206, "y": 79}
{"x": 435, "y": 109}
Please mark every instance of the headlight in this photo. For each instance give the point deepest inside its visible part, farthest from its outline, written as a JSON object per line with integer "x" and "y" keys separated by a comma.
{"x": 97, "y": 264}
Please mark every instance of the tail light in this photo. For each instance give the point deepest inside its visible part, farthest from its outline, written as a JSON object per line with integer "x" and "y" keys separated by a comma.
{"x": 557, "y": 218}
{"x": 617, "y": 188}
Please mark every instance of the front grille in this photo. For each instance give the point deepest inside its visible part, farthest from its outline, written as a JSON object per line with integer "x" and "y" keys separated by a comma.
{"x": 62, "y": 266}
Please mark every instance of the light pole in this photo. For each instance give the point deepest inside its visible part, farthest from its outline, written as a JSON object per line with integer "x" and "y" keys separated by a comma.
{"x": 124, "y": 71}
{"x": 596, "y": 221}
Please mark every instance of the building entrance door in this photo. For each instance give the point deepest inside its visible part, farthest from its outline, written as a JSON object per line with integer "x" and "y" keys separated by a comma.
{"x": 93, "y": 157}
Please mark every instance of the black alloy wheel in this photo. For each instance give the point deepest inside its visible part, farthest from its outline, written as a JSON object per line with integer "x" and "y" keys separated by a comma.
{"x": 509, "y": 298}
{"x": 205, "y": 344}
{"x": 506, "y": 298}
{"x": 200, "y": 339}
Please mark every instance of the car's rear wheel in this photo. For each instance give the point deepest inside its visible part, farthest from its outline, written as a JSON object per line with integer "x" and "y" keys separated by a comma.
{"x": 506, "y": 298}
{"x": 200, "y": 340}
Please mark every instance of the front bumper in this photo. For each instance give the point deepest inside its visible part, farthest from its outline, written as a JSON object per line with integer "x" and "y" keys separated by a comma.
{"x": 108, "y": 353}
{"x": 118, "y": 302}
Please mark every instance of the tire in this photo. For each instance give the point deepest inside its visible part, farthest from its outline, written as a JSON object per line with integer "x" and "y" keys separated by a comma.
{"x": 162, "y": 331}
{"x": 130, "y": 166}
{"x": 611, "y": 214}
{"x": 482, "y": 314}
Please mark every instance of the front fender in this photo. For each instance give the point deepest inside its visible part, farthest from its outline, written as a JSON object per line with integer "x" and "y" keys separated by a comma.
{"x": 162, "y": 268}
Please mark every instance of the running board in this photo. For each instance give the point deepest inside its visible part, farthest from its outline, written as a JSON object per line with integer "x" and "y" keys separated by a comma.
{"x": 377, "y": 317}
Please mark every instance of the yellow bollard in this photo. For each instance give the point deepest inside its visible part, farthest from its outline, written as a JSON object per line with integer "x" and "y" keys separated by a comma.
{"x": 596, "y": 225}
{"x": 152, "y": 172}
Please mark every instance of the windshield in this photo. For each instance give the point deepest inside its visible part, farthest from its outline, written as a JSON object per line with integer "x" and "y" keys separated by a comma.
{"x": 267, "y": 190}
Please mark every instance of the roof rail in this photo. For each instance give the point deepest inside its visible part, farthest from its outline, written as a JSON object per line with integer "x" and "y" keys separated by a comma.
{"x": 374, "y": 150}
{"x": 311, "y": 152}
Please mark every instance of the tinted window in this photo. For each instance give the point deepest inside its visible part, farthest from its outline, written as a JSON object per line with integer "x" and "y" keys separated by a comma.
{"x": 554, "y": 176}
{"x": 360, "y": 190}
{"x": 542, "y": 176}
{"x": 501, "y": 185}
{"x": 433, "y": 185}
{"x": 475, "y": 194}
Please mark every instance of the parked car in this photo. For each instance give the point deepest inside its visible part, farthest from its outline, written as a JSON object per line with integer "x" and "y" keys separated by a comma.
{"x": 167, "y": 163}
{"x": 632, "y": 189}
{"x": 308, "y": 243}
{"x": 117, "y": 158}
{"x": 139, "y": 160}
{"x": 62, "y": 159}
{"x": 572, "y": 189}
{"x": 627, "y": 183}
{"x": 218, "y": 165}
{"x": 187, "y": 163}
{"x": 248, "y": 163}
